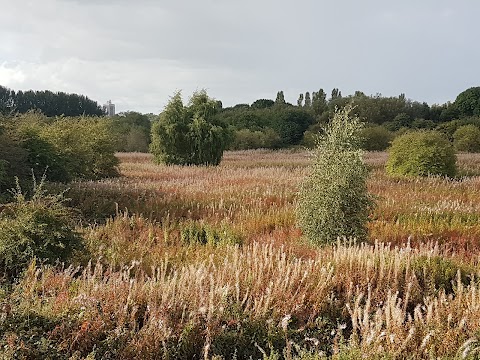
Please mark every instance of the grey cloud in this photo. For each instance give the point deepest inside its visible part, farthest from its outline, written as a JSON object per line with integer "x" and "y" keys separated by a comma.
{"x": 138, "y": 53}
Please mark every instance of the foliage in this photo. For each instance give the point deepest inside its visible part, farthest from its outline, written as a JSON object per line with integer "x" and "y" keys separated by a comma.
{"x": 132, "y": 131}
{"x": 449, "y": 128}
{"x": 64, "y": 148}
{"x": 13, "y": 160}
{"x": 467, "y": 102}
{"x": 85, "y": 145}
{"x": 247, "y": 139}
{"x": 467, "y": 138}
{"x": 421, "y": 153}
{"x": 376, "y": 138}
{"x": 48, "y": 102}
{"x": 333, "y": 200}
{"x": 39, "y": 227}
{"x": 189, "y": 135}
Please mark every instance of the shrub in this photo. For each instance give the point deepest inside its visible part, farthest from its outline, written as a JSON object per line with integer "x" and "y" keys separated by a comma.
{"x": 421, "y": 153}
{"x": 189, "y": 135}
{"x": 248, "y": 139}
{"x": 467, "y": 138}
{"x": 40, "y": 227}
{"x": 13, "y": 162}
{"x": 333, "y": 200}
{"x": 376, "y": 138}
{"x": 87, "y": 146}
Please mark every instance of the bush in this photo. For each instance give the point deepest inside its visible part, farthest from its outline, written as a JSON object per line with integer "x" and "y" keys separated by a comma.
{"x": 248, "y": 139}
{"x": 40, "y": 227}
{"x": 376, "y": 138}
{"x": 189, "y": 135}
{"x": 333, "y": 200}
{"x": 13, "y": 161}
{"x": 85, "y": 144}
{"x": 421, "y": 153}
{"x": 467, "y": 138}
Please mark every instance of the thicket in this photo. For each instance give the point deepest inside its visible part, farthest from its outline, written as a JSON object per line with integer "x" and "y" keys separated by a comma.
{"x": 467, "y": 138}
{"x": 132, "y": 131}
{"x": 376, "y": 138}
{"x": 40, "y": 227}
{"x": 64, "y": 148}
{"x": 333, "y": 200}
{"x": 421, "y": 153}
{"x": 189, "y": 135}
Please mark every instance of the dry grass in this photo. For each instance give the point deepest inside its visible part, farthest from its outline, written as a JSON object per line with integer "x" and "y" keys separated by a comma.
{"x": 156, "y": 291}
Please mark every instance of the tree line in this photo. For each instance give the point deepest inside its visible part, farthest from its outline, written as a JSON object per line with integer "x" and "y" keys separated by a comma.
{"x": 48, "y": 102}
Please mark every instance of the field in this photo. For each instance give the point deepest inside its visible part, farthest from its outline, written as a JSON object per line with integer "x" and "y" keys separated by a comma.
{"x": 207, "y": 262}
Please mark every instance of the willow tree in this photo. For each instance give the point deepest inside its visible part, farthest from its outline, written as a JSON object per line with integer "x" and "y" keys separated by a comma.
{"x": 189, "y": 135}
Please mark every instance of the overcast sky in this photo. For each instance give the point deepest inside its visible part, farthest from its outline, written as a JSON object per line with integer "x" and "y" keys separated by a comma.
{"x": 137, "y": 53}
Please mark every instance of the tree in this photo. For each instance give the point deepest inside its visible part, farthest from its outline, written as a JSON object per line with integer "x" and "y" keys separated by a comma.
{"x": 333, "y": 200}
{"x": 376, "y": 138}
{"x": 421, "y": 153}
{"x": 468, "y": 102}
{"x": 319, "y": 102}
{"x": 262, "y": 103}
{"x": 308, "y": 100}
{"x": 280, "y": 99}
{"x": 335, "y": 94}
{"x": 300, "y": 100}
{"x": 467, "y": 138}
{"x": 189, "y": 135}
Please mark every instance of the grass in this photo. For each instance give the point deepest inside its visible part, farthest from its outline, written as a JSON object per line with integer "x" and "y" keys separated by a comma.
{"x": 192, "y": 262}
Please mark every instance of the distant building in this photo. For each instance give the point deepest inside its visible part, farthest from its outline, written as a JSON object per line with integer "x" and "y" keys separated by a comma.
{"x": 109, "y": 108}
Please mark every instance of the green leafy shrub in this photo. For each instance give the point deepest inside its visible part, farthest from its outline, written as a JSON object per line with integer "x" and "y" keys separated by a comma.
{"x": 249, "y": 139}
{"x": 40, "y": 227}
{"x": 86, "y": 145}
{"x": 189, "y": 135}
{"x": 13, "y": 160}
{"x": 376, "y": 138}
{"x": 333, "y": 200}
{"x": 421, "y": 153}
{"x": 467, "y": 138}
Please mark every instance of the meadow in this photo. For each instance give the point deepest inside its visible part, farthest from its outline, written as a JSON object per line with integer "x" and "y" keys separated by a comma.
{"x": 207, "y": 262}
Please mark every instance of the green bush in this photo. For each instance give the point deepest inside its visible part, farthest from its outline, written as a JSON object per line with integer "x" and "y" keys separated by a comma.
{"x": 13, "y": 159}
{"x": 248, "y": 139}
{"x": 421, "y": 153}
{"x": 333, "y": 200}
{"x": 41, "y": 227}
{"x": 86, "y": 145}
{"x": 189, "y": 135}
{"x": 467, "y": 138}
{"x": 376, "y": 138}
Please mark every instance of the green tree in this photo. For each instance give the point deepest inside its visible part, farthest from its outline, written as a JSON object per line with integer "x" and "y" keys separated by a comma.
{"x": 468, "y": 102}
{"x": 300, "y": 100}
{"x": 376, "y": 138}
{"x": 189, "y": 135}
{"x": 421, "y": 153}
{"x": 280, "y": 99}
{"x": 467, "y": 138}
{"x": 308, "y": 100}
{"x": 262, "y": 103}
{"x": 319, "y": 102}
{"x": 333, "y": 200}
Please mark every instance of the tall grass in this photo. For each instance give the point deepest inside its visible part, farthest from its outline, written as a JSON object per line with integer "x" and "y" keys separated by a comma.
{"x": 207, "y": 262}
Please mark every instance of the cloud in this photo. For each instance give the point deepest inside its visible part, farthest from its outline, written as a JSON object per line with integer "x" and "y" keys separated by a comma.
{"x": 138, "y": 53}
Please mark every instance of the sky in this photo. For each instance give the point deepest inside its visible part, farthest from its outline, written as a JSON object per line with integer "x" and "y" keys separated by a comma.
{"x": 139, "y": 53}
